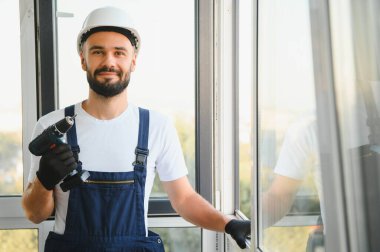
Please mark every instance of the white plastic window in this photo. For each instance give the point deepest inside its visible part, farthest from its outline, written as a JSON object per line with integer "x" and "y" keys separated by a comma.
{"x": 289, "y": 168}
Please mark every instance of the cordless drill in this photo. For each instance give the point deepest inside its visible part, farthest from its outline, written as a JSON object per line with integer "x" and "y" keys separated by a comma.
{"x": 49, "y": 139}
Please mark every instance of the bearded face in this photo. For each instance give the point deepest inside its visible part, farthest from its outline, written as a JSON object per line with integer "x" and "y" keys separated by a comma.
{"x": 108, "y": 87}
{"x": 108, "y": 59}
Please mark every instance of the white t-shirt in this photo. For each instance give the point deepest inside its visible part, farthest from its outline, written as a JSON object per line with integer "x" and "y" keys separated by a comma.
{"x": 109, "y": 146}
{"x": 299, "y": 150}
{"x": 299, "y": 154}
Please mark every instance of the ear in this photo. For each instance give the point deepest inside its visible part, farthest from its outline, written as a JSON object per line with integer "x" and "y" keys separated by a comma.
{"x": 83, "y": 62}
{"x": 133, "y": 63}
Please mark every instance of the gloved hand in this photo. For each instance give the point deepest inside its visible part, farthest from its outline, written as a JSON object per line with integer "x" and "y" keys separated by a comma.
{"x": 56, "y": 165}
{"x": 239, "y": 230}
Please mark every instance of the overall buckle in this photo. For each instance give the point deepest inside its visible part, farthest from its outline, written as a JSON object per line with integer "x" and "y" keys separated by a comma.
{"x": 141, "y": 156}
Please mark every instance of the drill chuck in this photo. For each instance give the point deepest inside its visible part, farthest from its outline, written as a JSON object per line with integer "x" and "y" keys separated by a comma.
{"x": 64, "y": 125}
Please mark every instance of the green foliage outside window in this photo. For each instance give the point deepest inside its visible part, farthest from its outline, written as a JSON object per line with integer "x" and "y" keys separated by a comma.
{"x": 16, "y": 240}
{"x": 10, "y": 164}
{"x": 180, "y": 239}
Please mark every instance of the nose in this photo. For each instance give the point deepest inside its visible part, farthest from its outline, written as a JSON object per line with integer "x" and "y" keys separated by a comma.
{"x": 109, "y": 60}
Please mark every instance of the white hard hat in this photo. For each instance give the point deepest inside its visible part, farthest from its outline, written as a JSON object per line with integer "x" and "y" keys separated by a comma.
{"x": 109, "y": 19}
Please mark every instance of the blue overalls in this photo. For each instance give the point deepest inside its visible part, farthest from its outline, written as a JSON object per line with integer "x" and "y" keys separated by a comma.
{"x": 106, "y": 213}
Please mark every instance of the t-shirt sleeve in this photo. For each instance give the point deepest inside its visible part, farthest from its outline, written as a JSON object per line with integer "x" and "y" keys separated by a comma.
{"x": 170, "y": 163}
{"x": 298, "y": 147}
{"x": 34, "y": 160}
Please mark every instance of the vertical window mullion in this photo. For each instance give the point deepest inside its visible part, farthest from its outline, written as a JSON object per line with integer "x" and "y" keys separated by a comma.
{"x": 47, "y": 91}
{"x": 255, "y": 135}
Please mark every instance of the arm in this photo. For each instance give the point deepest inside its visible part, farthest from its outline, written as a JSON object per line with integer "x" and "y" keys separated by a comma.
{"x": 189, "y": 204}
{"x": 38, "y": 202}
{"x": 298, "y": 150}
{"x": 192, "y": 207}
{"x": 278, "y": 199}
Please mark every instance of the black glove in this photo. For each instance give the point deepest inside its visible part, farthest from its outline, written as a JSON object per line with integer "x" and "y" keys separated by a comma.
{"x": 239, "y": 230}
{"x": 56, "y": 165}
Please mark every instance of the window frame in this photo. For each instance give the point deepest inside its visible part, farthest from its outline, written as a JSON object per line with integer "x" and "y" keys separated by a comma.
{"x": 227, "y": 112}
{"x": 47, "y": 62}
{"x": 327, "y": 133}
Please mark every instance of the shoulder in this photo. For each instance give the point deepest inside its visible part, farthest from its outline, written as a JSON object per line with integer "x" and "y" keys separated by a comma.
{"x": 304, "y": 127}
{"x": 157, "y": 120}
{"x": 161, "y": 127}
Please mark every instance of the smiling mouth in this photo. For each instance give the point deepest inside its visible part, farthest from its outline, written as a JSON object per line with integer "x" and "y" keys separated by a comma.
{"x": 108, "y": 74}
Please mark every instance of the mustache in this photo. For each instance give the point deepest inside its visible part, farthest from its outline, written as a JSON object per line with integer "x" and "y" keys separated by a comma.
{"x": 107, "y": 69}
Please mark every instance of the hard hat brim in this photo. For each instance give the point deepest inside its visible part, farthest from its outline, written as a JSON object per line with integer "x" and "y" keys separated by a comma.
{"x": 83, "y": 36}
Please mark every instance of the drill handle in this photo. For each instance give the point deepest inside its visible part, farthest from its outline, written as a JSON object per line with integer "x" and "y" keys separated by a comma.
{"x": 44, "y": 142}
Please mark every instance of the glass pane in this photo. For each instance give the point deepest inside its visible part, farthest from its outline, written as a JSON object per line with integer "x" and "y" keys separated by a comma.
{"x": 356, "y": 47}
{"x": 245, "y": 105}
{"x": 164, "y": 79}
{"x": 19, "y": 240}
{"x": 289, "y": 171}
{"x": 11, "y": 169}
{"x": 180, "y": 239}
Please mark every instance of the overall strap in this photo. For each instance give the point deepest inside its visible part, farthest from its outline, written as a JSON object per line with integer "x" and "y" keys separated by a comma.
{"x": 141, "y": 150}
{"x": 72, "y": 133}
{"x": 140, "y": 165}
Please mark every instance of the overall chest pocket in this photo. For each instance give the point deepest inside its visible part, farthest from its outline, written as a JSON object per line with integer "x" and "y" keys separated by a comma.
{"x": 107, "y": 207}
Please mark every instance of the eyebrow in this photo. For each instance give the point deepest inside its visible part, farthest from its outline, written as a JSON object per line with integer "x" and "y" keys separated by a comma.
{"x": 96, "y": 47}
{"x": 120, "y": 48}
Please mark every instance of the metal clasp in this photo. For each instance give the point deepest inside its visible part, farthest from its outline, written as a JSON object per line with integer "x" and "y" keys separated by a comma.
{"x": 141, "y": 156}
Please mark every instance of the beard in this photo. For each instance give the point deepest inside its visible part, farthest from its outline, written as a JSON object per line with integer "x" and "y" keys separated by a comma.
{"x": 107, "y": 88}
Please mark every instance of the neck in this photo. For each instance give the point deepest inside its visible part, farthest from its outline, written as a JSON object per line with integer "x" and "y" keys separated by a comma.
{"x": 105, "y": 108}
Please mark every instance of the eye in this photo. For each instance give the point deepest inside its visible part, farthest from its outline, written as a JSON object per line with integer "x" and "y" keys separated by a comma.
{"x": 120, "y": 53}
{"x": 97, "y": 52}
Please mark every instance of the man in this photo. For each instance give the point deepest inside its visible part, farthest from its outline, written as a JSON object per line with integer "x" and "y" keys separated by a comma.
{"x": 299, "y": 156}
{"x": 109, "y": 211}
